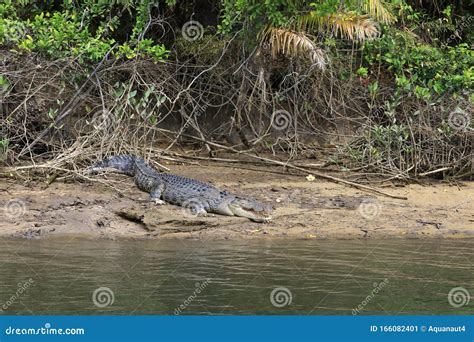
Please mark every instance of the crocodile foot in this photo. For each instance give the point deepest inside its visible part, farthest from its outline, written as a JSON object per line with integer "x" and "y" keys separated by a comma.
{"x": 206, "y": 214}
{"x": 158, "y": 201}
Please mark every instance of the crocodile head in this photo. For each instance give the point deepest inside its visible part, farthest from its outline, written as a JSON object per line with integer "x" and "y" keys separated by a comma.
{"x": 250, "y": 208}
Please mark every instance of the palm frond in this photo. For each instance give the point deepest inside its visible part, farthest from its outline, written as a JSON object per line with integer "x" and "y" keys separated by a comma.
{"x": 347, "y": 24}
{"x": 291, "y": 44}
{"x": 379, "y": 10}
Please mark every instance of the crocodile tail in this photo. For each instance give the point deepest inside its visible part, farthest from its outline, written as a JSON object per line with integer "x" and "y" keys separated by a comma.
{"x": 122, "y": 163}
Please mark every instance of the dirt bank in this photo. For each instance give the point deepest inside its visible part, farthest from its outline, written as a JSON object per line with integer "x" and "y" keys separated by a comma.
{"x": 304, "y": 209}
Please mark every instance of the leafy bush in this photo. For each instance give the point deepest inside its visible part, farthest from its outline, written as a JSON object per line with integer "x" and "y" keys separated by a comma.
{"x": 68, "y": 32}
{"x": 425, "y": 70}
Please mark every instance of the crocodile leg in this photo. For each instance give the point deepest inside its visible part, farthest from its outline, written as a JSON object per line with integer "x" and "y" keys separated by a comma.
{"x": 201, "y": 212}
{"x": 155, "y": 194}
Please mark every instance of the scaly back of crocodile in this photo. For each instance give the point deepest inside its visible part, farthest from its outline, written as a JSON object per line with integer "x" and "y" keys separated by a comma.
{"x": 181, "y": 190}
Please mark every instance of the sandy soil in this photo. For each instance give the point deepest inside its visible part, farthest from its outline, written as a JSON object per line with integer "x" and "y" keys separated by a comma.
{"x": 303, "y": 209}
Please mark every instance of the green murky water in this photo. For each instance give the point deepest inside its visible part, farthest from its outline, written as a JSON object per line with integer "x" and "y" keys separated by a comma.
{"x": 218, "y": 277}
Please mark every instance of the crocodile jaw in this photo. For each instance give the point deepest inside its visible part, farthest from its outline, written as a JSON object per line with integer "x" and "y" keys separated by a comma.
{"x": 239, "y": 211}
{"x": 250, "y": 209}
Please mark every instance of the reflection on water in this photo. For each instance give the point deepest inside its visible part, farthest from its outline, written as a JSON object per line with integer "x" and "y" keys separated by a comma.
{"x": 246, "y": 277}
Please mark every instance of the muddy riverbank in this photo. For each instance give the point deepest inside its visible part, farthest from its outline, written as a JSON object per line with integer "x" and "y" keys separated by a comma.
{"x": 303, "y": 209}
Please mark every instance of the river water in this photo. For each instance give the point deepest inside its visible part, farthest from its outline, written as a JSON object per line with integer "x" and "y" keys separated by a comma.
{"x": 79, "y": 276}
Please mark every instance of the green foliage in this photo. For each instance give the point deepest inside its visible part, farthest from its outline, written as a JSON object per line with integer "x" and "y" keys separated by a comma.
{"x": 11, "y": 28}
{"x": 425, "y": 69}
{"x": 258, "y": 14}
{"x": 388, "y": 137}
{"x": 4, "y": 84}
{"x": 136, "y": 102}
{"x": 60, "y": 35}
{"x": 78, "y": 29}
{"x": 420, "y": 68}
{"x": 4, "y": 143}
{"x": 362, "y": 72}
{"x": 254, "y": 15}
{"x": 381, "y": 144}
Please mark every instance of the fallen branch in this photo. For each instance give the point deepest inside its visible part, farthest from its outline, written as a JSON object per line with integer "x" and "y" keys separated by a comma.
{"x": 434, "y": 171}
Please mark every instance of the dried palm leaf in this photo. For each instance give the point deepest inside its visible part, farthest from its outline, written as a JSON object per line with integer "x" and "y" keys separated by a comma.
{"x": 378, "y": 9}
{"x": 291, "y": 44}
{"x": 349, "y": 24}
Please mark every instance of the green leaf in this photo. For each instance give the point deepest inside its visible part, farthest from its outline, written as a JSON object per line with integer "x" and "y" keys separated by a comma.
{"x": 132, "y": 94}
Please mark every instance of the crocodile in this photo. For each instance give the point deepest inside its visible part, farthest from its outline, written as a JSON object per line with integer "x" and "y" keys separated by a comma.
{"x": 198, "y": 197}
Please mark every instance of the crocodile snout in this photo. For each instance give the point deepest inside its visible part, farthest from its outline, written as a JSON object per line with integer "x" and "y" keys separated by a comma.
{"x": 251, "y": 209}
